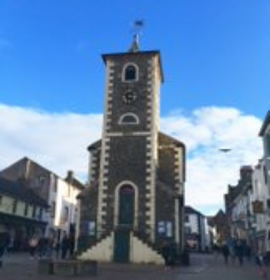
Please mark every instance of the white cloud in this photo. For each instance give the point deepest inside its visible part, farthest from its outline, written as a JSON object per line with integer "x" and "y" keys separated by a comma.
{"x": 59, "y": 142}
{"x": 209, "y": 171}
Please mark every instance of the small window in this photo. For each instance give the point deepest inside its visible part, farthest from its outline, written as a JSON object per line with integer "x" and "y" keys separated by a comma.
{"x": 265, "y": 174}
{"x": 53, "y": 208}
{"x": 65, "y": 215}
{"x": 187, "y": 230}
{"x": 14, "y": 206}
{"x": 130, "y": 73}
{"x": 55, "y": 187}
{"x": 129, "y": 118}
{"x": 40, "y": 213}
{"x": 26, "y": 209}
{"x": 41, "y": 179}
{"x": 34, "y": 212}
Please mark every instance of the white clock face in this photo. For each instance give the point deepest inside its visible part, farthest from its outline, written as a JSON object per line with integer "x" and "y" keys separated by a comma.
{"x": 129, "y": 97}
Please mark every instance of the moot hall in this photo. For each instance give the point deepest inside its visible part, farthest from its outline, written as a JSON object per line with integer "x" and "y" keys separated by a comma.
{"x": 135, "y": 197}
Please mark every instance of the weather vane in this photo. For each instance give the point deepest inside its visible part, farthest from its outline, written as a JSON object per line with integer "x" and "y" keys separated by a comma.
{"x": 137, "y": 27}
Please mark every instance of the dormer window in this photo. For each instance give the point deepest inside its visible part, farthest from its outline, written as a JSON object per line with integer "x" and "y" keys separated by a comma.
{"x": 129, "y": 118}
{"x": 130, "y": 73}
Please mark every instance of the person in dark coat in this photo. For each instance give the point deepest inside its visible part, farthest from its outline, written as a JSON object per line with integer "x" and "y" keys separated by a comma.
{"x": 239, "y": 251}
{"x": 225, "y": 252}
{"x": 71, "y": 245}
{"x": 165, "y": 252}
{"x": 65, "y": 244}
{"x": 4, "y": 242}
{"x": 169, "y": 254}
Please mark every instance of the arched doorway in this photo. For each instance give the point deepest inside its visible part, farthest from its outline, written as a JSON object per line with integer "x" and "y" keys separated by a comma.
{"x": 125, "y": 223}
{"x": 126, "y": 206}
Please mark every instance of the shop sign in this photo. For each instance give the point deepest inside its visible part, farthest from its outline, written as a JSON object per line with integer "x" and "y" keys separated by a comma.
{"x": 257, "y": 207}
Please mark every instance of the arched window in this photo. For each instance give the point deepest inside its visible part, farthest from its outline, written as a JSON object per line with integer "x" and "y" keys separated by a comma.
{"x": 130, "y": 73}
{"x": 129, "y": 118}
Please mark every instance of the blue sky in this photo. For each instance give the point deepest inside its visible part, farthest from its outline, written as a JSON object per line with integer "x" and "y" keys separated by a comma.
{"x": 214, "y": 52}
{"x": 215, "y": 55}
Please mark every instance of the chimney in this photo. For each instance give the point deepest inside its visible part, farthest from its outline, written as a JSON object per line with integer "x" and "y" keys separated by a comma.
{"x": 70, "y": 176}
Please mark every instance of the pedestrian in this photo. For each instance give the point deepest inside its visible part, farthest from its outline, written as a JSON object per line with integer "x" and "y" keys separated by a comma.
{"x": 173, "y": 254}
{"x": 232, "y": 244}
{"x": 42, "y": 247}
{"x": 261, "y": 264}
{"x": 216, "y": 250}
{"x": 225, "y": 252}
{"x": 167, "y": 254}
{"x": 33, "y": 245}
{"x": 239, "y": 251}
{"x": 4, "y": 243}
{"x": 64, "y": 246}
{"x": 57, "y": 247}
{"x": 248, "y": 252}
{"x": 50, "y": 247}
{"x": 71, "y": 244}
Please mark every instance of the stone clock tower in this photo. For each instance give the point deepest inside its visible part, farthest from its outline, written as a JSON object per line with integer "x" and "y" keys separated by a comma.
{"x": 136, "y": 174}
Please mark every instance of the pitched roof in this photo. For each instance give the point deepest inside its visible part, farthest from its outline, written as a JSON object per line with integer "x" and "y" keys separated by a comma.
{"x": 18, "y": 191}
{"x": 190, "y": 210}
{"x": 94, "y": 145}
{"x": 265, "y": 124}
{"x": 73, "y": 181}
{"x": 24, "y": 162}
{"x": 171, "y": 140}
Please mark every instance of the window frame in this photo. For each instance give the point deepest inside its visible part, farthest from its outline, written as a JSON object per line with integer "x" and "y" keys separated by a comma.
{"x": 135, "y": 66}
{"x": 136, "y": 118}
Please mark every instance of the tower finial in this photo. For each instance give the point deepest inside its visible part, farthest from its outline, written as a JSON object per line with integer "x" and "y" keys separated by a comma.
{"x": 136, "y": 30}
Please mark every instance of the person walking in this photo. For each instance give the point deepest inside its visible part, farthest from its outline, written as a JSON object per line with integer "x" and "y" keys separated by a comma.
{"x": 239, "y": 251}
{"x": 50, "y": 247}
{"x": 57, "y": 247}
{"x": 42, "y": 247}
{"x": 33, "y": 245}
{"x": 64, "y": 246}
{"x": 248, "y": 252}
{"x": 225, "y": 252}
{"x": 4, "y": 242}
{"x": 216, "y": 251}
{"x": 168, "y": 252}
{"x": 261, "y": 264}
{"x": 71, "y": 245}
{"x": 165, "y": 252}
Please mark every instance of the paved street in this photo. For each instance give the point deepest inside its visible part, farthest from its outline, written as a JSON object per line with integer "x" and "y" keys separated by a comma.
{"x": 204, "y": 267}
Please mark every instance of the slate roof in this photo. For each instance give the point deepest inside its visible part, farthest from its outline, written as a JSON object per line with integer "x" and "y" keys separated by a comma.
{"x": 161, "y": 136}
{"x": 265, "y": 124}
{"x": 94, "y": 145}
{"x": 75, "y": 183}
{"x": 18, "y": 191}
{"x": 190, "y": 210}
{"x": 172, "y": 140}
